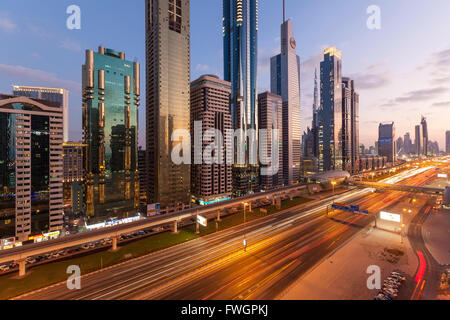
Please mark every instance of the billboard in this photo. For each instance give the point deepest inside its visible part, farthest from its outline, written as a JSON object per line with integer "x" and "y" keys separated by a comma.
{"x": 390, "y": 216}
{"x": 202, "y": 221}
{"x": 153, "y": 209}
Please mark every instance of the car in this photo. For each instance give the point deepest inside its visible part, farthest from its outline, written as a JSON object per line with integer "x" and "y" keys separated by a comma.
{"x": 390, "y": 291}
{"x": 4, "y": 268}
{"x": 388, "y": 295}
{"x": 381, "y": 296}
{"x": 398, "y": 276}
{"x": 12, "y": 265}
{"x": 85, "y": 246}
{"x": 31, "y": 260}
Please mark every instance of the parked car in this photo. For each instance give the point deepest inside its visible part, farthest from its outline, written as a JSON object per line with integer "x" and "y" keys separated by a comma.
{"x": 4, "y": 268}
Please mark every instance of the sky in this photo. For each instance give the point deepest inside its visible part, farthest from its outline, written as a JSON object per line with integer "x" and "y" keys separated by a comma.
{"x": 401, "y": 71}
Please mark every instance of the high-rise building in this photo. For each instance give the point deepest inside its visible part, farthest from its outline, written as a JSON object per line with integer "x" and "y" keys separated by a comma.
{"x": 447, "y": 142}
{"x": 386, "y": 142}
{"x": 143, "y": 182}
{"x": 270, "y": 119}
{"x": 31, "y": 166}
{"x": 111, "y": 90}
{"x": 315, "y": 121}
{"x": 407, "y": 144}
{"x": 240, "y": 52}
{"x": 418, "y": 141}
{"x": 330, "y": 112}
{"x": 285, "y": 82}
{"x": 73, "y": 177}
{"x": 168, "y": 99}
{"x": 211, "y": 180}
{"x": 423, "y": 124}
{"x": 58, "y": 95}
{"x": 350, "y": 125}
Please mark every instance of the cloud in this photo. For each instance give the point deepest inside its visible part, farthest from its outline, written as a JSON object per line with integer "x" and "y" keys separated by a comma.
{"x": 201, "y": 67}
{"x": 372, "y": 77}
{"x": 444, "y": 104}
{"x": 70, "y": 45}
{"x": 27, "y": 75}
{"x": 7, "y": 25}
{"x": 422, "y": 95}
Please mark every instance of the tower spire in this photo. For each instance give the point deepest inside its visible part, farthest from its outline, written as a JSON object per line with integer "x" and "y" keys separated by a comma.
{"x": 284, "y": 11}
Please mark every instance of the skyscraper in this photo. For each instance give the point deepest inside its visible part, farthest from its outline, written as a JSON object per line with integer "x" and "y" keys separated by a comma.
{"x": 407, "y": 144}
{"x": 418, "y": 141}
{"x": 168, "y": 98}
{"x": 270, "y": 118}
{"x": 447, "y": 142}
{"x": 424, "y": 139}
{"x": 350, "y": 125}
{"x": 31, "y": 167}
{"x": 111, "y": 95}
{"x": 73, "y": 177}
{"x": 58, "y": 95}
{"x": 386, "y": 142}
{"x": 210, "y": 104}
{"x": 285, "y": 81}
{"x": 240, "y": 44}
{"x": 315, "y": 121}
{"x": 330, "y": 112}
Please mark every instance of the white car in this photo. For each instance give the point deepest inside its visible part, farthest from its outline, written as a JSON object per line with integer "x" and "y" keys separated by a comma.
{"x": 4, "y": 268}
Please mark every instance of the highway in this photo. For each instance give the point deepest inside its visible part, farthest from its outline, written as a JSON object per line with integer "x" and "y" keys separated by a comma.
{"x": 281, "y": 248}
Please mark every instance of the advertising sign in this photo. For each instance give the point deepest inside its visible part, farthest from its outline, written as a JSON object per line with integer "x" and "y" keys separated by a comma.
{"x": 202, "y": 221}
{"x": 390, "y": 216}
{"x": 153, "y": 209}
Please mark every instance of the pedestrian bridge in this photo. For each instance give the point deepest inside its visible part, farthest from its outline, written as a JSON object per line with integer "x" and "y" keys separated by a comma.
{"x": 397, "y": 187}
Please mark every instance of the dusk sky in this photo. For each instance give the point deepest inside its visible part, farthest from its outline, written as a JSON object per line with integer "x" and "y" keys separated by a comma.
{"x": 401, "y": 71}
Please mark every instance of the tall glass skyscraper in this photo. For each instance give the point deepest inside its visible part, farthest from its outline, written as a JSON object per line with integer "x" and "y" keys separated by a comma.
{"x": 111, "y": 95}
{"x": 285, "y": 81}
{"x": 330, "y": 112}
{"x": 168, "y": 98}
{"x": 424, "y": 125}
{"x": 240, "y": 43}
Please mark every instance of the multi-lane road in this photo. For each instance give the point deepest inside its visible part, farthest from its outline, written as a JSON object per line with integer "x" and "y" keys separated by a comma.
{"x": 280, "y": 249}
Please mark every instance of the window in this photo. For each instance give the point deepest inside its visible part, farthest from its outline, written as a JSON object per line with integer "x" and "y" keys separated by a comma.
{"x": 175, "y": 15}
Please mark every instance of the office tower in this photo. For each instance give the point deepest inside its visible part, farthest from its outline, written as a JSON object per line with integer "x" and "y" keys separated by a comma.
{"x": 407, "y": 144}
{"x": 447, "y": 142}
{"x": 418, "y": 141}
{"x": 270, "y": 118}
{"x": 31, "y": 168}
{"x": 73, "y": 177}
{"x": 211, "y": 180}
{"x": 285, "y": 81}
{"x": 143, "y": 180}
{"x": 315, "y": 123}
{"x": 386, "y": 142}
{"x": 350, "y": 125}
{"x": 240, "y": 44}
{"x": 424, "y": 126}
{"x": 330, "y": 112}
{"x": 58, "y": 95}
{"x": 111, "y": 90}
{"x": 168, "y": 99}
{"x": 400, "y": 146}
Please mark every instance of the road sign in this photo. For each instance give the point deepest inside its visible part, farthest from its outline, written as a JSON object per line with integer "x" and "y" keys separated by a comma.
{"x": 202, "y": 221}
{"x": 390, "y": 216}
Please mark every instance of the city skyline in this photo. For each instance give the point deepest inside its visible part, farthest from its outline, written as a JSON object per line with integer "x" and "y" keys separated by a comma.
{"x": 372, "y": 57}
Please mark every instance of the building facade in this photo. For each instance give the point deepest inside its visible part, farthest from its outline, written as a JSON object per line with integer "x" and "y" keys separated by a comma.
{"x": 143, "y": 176}
{"x": 271, "y": 118}
{"x": 330, "y": 112}
{"x": 58, "y": 95}
{"x": 111, "y": 95}
{"x": 240, "y": 52}
{"x": 424, "y": 139}
{"x": 31, "y": 167}
{"x": 211, "y": 179}
{"x": 350, "y": 126}
{"x": 386, "y": 142}
{"x": 447, "y": 142}
{"x": 285, "y": 82}
{"x": 168, "y": 99}
{"x": 418, "y": 141}
{"x": 73, "y": 177}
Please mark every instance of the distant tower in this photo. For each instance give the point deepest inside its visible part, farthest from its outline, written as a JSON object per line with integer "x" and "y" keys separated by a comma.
{"x": 424, "y": 126}
{"x": 315, "y": 123}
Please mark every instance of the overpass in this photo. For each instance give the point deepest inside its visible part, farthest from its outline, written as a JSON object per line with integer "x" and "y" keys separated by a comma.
{"x": 397, "y": 187}
{"x": 19, "y": 254}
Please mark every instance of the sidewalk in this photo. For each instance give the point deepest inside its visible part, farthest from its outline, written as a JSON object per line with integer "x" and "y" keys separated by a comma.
{"x": 342, "y": 276}
{"x": 436, "y": 234}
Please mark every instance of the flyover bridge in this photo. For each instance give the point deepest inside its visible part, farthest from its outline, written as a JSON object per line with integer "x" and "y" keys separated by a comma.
{"x": 19, "y": 254}
{"x": 397, "y": 187}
